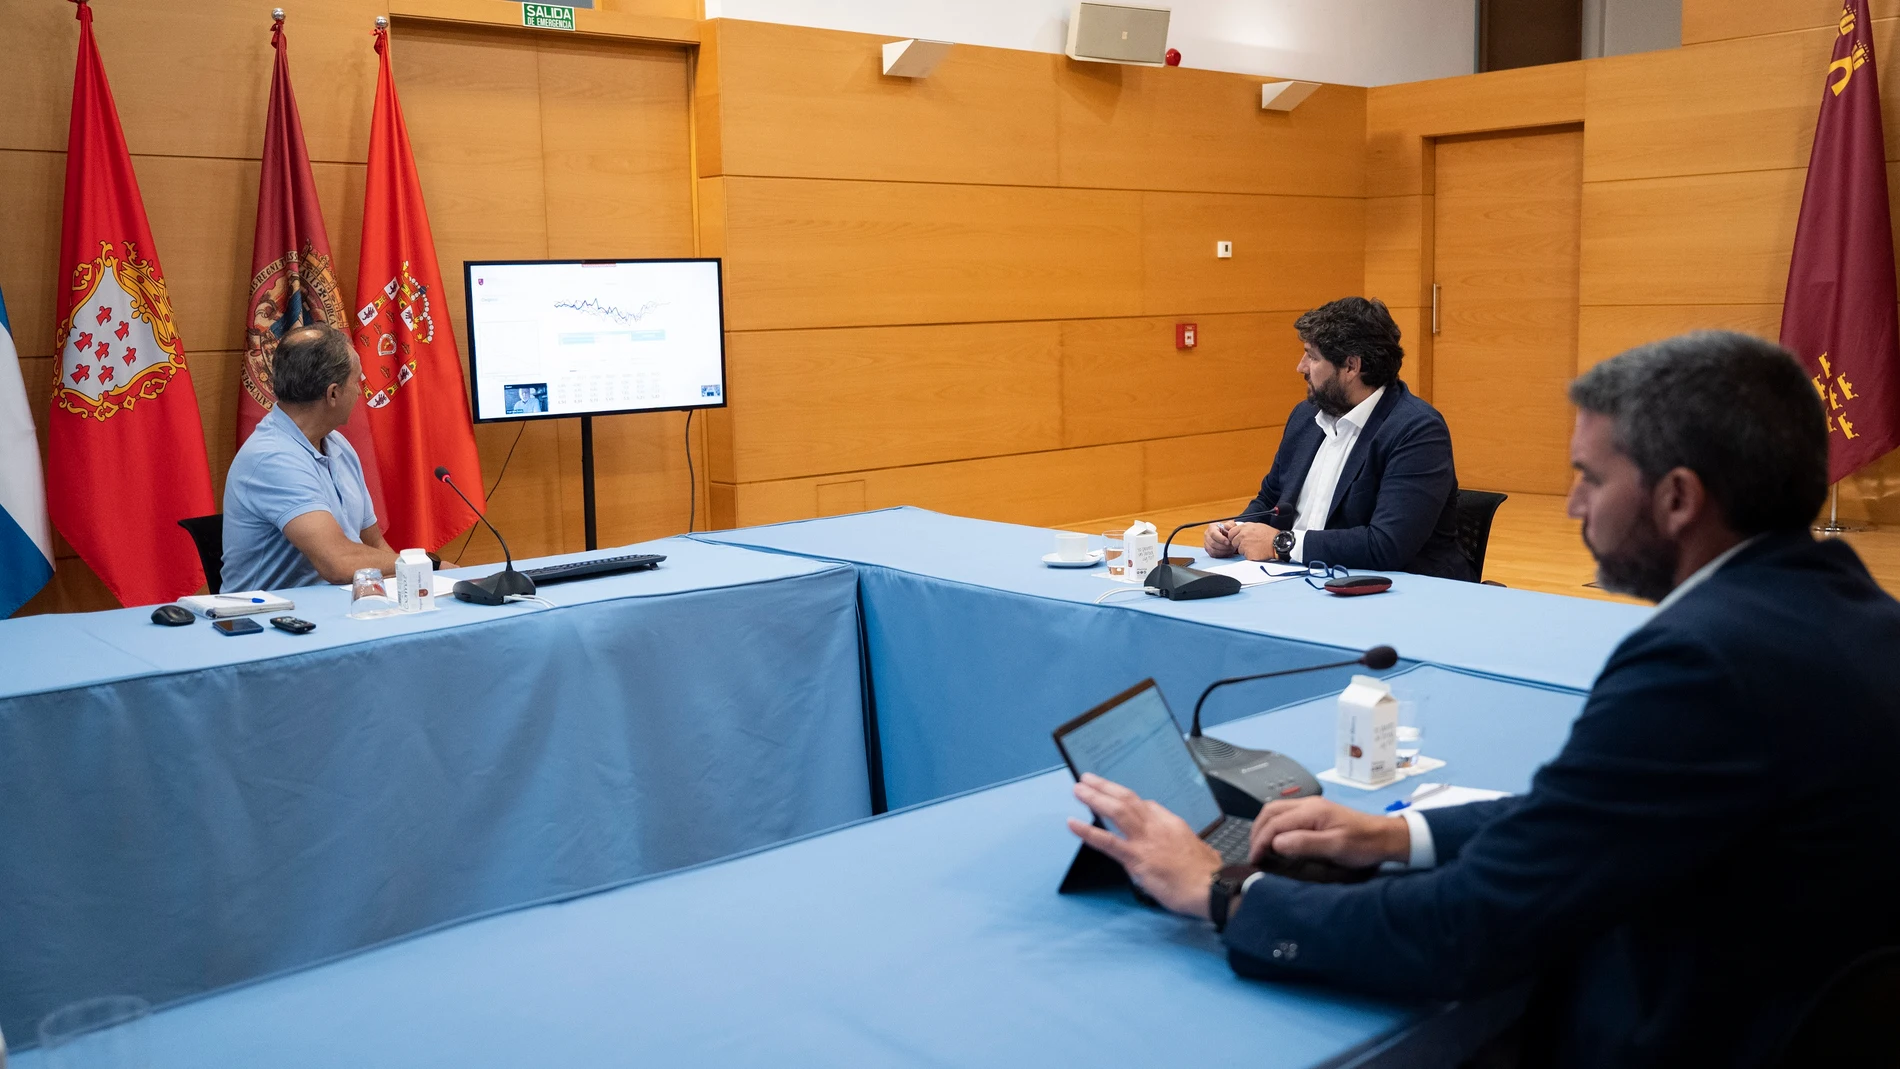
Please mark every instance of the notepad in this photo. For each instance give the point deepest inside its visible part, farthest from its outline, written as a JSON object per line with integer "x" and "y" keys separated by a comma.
{"x": 1254, "y": 573}
{"x": 236, "y": 603}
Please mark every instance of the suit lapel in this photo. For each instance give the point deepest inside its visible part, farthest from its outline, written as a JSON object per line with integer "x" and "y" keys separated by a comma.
{"x": 1356, "y": 460}
{"x": 1303, "y": 453}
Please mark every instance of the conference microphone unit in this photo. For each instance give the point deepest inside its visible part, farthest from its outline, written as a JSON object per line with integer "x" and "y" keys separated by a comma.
{"x": 1244, "y": 779}
{"x": 499, "y": 587}
{"x": 1178, "y": 582}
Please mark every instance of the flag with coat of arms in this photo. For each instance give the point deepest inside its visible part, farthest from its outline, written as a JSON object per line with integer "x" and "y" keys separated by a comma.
{"x": 125, "y": 450}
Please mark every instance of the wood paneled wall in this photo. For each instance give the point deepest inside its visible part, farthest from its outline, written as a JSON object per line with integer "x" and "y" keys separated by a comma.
{"x": 528, "y": 145}
{"x": 1694, "y": 161}
{"x": 960, "y": 291}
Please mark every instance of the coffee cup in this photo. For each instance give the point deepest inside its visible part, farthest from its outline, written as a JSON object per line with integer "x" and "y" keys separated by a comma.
{"x": 1072, "y": 546}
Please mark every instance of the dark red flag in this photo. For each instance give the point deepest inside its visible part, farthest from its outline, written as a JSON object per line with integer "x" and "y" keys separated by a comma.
{"x": 293, "y": 279}
{"x": 1840, "y": 315}
{"x": 412, "y": 372}
{"x": 126, "y": 451}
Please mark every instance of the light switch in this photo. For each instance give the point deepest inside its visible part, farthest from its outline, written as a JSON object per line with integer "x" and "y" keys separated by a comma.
{"x": 1224, "y": 249}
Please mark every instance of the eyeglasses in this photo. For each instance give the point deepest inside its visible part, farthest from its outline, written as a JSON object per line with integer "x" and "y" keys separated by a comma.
{"x": 1318, "y": 573}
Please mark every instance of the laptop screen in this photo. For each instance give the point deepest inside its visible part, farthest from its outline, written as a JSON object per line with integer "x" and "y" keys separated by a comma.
{"x": 1137, "y": 744}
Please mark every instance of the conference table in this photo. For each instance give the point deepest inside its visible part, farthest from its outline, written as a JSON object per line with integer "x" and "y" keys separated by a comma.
{"x": 184, "y": 811}
{"x": 928, "y": 937}
{"x": 976, "y": 650}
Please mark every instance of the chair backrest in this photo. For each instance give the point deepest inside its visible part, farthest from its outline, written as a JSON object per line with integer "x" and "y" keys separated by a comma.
{"x": 207, "y": 533}
{"x": 1476, "y": 510}
{"x": 1851, "y": 1021}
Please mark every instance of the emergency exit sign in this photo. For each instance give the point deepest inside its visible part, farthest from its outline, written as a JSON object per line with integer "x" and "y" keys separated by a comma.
{"x": 547, "y": 16}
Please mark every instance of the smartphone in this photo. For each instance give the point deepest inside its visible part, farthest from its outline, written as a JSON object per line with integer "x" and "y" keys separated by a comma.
{"x": 240, "y": 626}
{"x": 292, "y": 625}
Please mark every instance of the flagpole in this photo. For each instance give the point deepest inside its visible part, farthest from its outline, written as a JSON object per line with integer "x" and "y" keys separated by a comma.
{"x": 1833, "y": 527}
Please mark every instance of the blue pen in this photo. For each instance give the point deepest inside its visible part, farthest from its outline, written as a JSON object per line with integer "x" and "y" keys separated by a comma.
{"x": 1423, "y": 792}
{"x": 234, "y": 597}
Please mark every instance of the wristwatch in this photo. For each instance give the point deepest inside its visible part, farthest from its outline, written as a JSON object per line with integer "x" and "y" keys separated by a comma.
{"x": 1222, "y": 891}
{"x": 1283, "y": 546}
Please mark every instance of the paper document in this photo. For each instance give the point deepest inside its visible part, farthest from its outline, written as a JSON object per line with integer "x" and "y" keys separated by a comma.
{"x": 1254, "y": 573}
{"x": 236, "y": 603}
{"x": 1428, "y": 798}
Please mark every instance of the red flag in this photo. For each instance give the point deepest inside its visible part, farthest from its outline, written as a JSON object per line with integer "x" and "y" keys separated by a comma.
{"x": 126, "y": 452}
{"x": 412, "y": 372}
{"x": 293, "y": 282}
{"x": 1840, "y": 315}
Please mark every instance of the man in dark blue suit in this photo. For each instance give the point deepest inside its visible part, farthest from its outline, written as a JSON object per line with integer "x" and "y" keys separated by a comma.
{"x": 1363, "y": 477}
{"x": 1716, "y": 837}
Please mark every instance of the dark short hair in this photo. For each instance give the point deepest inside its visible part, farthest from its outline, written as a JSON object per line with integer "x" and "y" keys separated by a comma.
{"x": 308, "y": 361}
{"x": 1355, "y": 326}
{"x": 1736, "y": 410}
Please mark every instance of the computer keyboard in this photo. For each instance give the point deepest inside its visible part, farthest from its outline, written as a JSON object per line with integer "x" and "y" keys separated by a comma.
{"x": 588, "y": 569}
{"x": 1232, "y": 837}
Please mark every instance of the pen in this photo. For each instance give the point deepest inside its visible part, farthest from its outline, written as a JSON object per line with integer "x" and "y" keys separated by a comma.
{"x": 1418, "y": 795}
{"x": 233, "y": 597}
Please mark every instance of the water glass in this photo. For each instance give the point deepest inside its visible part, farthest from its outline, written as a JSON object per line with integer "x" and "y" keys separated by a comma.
{"x": 1411, "y": 733}
{"x": 369, "y": 598}
{"x": 1112, "y": 552}
{"x": 99, "y": 1033}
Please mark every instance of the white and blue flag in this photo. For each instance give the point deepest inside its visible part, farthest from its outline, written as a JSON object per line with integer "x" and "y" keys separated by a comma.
{"x": 26, "y": 543}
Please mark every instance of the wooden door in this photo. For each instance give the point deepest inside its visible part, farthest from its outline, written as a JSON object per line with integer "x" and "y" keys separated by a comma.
{"x": 544, "y": 146}
{"x": 1505, "y": 257}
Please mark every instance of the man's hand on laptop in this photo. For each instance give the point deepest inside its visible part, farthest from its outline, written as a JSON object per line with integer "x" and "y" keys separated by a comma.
{"x": 1164, "y": 856}
{"x": 1315, "y": 827}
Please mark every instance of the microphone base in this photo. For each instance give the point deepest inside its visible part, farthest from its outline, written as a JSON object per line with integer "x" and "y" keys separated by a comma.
{"x": 1177, "y": 583}
{"x": 494, "y": 589}
{"x": 1243, "y": 780}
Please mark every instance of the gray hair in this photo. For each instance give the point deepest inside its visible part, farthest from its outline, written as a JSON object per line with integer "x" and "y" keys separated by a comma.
{"x": 1738, "y": 411}
{"x": 308, "y": 361}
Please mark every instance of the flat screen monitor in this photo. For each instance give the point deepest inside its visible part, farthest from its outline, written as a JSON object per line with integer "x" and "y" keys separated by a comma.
{"x": 556, "y": 338}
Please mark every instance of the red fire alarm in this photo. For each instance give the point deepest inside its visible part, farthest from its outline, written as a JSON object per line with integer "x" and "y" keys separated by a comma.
{"x": 1184, "y": 335}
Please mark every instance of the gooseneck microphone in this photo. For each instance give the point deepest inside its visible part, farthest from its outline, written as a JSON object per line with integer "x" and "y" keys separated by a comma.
{"x": 499, "y": 587}
{"x": 1242, "y": 779}
{"x": 1180, "y": 583}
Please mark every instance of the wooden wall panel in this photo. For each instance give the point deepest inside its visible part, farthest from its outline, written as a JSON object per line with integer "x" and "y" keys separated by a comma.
{"x": 1207, "y": 467}
{"x": 1720, "y": 20}
{"x": 29, "y": 245}
{"x": 811, "y": 253}
{"x": 1604, "y": 331}
{"x": 1694, "y": 239}
{"x": 816, "y": 401}
{"x": 1290, "y": 253}
{"x": 1678, "y": 111}
{"x": 1184, "y": 129}
{"x": 1399, "y": 118}
{"x": 801, "y": 102}
{"x": 1398, "y": 240}
{"x": 1118, "y": 386}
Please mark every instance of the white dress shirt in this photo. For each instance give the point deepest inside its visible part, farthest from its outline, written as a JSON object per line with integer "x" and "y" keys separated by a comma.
{"x": 1322, "y": 479}
{"x": 1423, "y": 854}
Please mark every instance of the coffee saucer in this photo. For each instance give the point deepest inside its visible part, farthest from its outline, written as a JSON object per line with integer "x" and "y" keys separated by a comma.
{"x": 1094, "y": 558}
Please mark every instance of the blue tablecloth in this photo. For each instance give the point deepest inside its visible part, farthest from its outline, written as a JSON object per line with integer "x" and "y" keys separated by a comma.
{"x": 183, "y": 810}
{"x": 930, "y": 937}
{"x": 977, "y": 650}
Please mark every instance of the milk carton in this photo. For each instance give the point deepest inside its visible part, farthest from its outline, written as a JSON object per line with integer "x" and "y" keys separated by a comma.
{"x": 415, "y": 581}
{"x": 1367, "y": 739}
{"x": 1142, "y": 549}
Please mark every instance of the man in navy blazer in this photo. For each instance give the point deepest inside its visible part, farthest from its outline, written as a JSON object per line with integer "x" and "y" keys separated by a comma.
{"x": 1364, "y": 476}
{"x": 1716, "y": 837}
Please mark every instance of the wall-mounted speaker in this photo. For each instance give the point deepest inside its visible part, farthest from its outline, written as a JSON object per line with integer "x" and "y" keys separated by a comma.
{"x": 914, "y": 58}
{"x": 1285, "y": 96}
{"x": 1118, "y": 33}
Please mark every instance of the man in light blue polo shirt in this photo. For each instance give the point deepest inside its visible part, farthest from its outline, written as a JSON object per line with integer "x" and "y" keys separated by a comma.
{"x": 296, "y": 509}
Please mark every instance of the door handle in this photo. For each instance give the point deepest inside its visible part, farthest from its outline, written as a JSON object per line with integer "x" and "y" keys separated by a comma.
{"x": 1434, "y": 308}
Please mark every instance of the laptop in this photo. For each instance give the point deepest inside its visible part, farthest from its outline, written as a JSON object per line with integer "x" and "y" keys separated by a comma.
{"x": 1133, "y": 740}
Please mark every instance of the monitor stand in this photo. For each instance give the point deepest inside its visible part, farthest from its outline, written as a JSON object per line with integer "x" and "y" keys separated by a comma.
{"x": 587, "y": 480}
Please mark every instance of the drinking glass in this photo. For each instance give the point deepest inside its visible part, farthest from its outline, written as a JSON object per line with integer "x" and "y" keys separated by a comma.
{"x": 99, "y": 1033}
{"x": 1112, "y": 552}
{"x": 369, "y": 598}
{"x": 1411, "y": 733}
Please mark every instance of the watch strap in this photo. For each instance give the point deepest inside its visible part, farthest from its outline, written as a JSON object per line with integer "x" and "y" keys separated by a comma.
{"x": 1222, "y": 891}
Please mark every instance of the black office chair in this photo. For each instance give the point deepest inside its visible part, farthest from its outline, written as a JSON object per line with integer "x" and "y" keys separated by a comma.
{"x": 1851, "y": 1021}
{"x": 207, "y": 533}
{"x": 1476, "y": 510}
